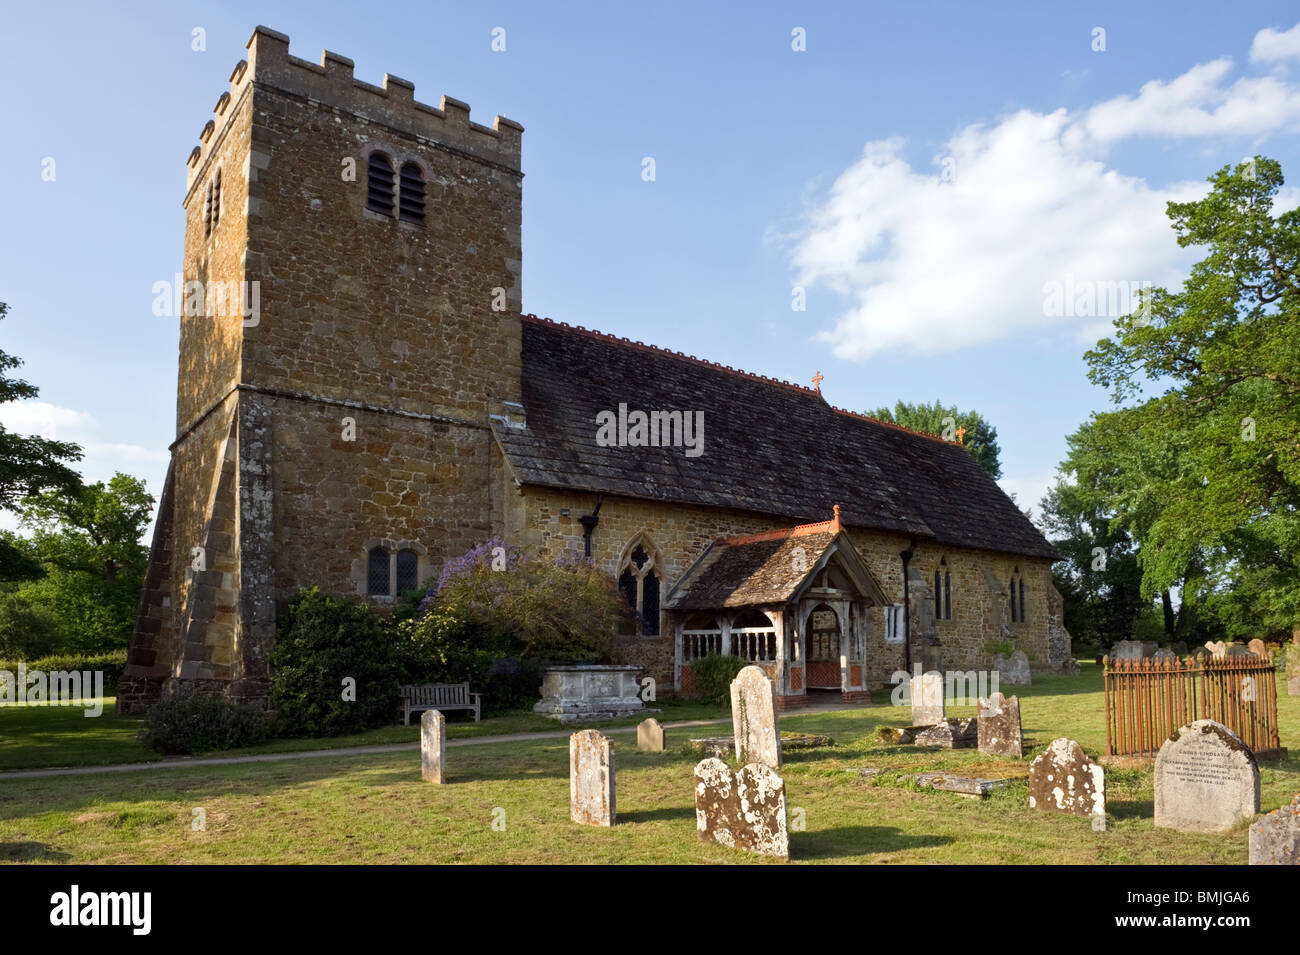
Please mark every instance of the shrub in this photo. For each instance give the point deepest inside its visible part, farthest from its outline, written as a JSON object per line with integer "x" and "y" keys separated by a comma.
{"x": 712, "y": 675}
{"x": 27, "y": 629}
{"x": 192, "y": 723}
{"x": 111, "y": 664}
{"x": 564, "y": 610}
{"x": 994, "y": 647}
{"x": 321, "y": 642}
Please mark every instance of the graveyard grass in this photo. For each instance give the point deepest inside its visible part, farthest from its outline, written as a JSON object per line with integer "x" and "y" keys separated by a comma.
{"x": 375, "y": 808}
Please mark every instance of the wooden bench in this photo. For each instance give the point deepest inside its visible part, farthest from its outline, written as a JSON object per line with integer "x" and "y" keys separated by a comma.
{"x": 438, "y": 696}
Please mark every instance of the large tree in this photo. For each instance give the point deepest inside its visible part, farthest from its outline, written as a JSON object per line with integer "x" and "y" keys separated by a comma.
{"x": 89, "y": 544}
{"x": 977, "y": 436}
{"x": 1209, "y": 377}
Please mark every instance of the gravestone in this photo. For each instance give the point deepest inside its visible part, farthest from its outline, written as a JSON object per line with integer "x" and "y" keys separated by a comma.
{"x": 1259, "y": 648}
{"x": 926, "y": 694}
{"x": 1239, "y": 650}
{"x": 1275, "y": 838}
{"x": 433, "y": 745}
{"x": 742, "y": 810}
{"x": 1201, "y": 654}
{"x": 1149, "y": 647}
{"x": 1218, "y": 648}
{"x": 1293, "y": 670}
{"x": 1162, "y": 654}
{"x": 650, "y": 736}
{"x": 948, "y": 734}
{"x": 591, "y": 779}
{"x": 753, "y": 718}
{"x": 999, "y": 726}
{"x": 1206, "y": 779}
{"x": 1127, "y": 650}
{"x": 1064, "y": 779}
{"x": 1017, "y": 671}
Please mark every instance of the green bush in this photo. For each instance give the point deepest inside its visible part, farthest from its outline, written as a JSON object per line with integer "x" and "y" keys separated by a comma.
{"x": 27, "y": 629}
{"x": 994, "y": 647}
{"x": 193, "y": 723}
{"x": 712, "y": 676}
{"x": 324, "y": 645}
{"x": 111, "y": 663}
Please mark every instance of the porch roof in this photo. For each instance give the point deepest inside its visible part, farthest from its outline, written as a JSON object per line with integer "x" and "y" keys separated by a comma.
{"x": 768, "y": 568}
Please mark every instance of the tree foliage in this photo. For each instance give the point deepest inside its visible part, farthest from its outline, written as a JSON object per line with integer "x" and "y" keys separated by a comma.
{"x": 979, "y": 438}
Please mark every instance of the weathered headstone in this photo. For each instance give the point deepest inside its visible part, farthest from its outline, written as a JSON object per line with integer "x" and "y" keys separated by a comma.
{"x": 1164, "y": 654}
{"x": 1218, "y": 648}
{"x": 999, "y": 726}
{"x": 1206, "y": 779}
{"x": 1017, "y": 672}
{"x": 926, "y": 692}
{"x": 1275, "y": 838}
{"x": 948, "y": 734}
{"x": 1238, "y": 650}
{"x": 1293, "y": 670}
{"x": 591, "y": 779}
{"x": 433, "y": 745}
{"x": 650, "y": 736}
{"x": 1201, "y": 654}
{"x": 1259, "y": 648}
{"x": 1064, "y": 779}
{"x": 753, "y": 718}
{"x": 743, "y": 810}
{"x": 1149, "y": 648}
{"x": 1127, "y": 650}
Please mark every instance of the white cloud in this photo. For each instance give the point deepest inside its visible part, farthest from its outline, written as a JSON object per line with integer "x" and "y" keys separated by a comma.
{"x": 940, "y": 260}
{"x": 102, "y": 457}
{"x": 1270, "y": 45}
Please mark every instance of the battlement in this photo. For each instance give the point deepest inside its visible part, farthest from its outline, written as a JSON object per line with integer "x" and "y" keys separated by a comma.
{"x": 331, "y": 83}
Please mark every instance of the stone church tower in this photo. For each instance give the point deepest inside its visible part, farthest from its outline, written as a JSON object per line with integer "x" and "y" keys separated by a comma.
{"x": 351, "y": 331}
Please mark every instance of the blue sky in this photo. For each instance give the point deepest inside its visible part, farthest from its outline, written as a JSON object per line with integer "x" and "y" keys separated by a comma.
{"x": 921, "y": 170}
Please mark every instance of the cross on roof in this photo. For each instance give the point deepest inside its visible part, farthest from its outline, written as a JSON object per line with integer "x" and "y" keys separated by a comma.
{"x": 960, "y": 434}
{"x": 817, "y": 380}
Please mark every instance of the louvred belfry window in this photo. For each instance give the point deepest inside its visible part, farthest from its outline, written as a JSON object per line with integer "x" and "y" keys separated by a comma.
{"x": 411, "y": 198}
{"x": 379, "y": 192}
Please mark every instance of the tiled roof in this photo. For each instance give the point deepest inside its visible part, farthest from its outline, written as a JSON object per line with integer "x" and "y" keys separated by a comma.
{"x": 770, "y": 447}
{"x": 744, "y": 571}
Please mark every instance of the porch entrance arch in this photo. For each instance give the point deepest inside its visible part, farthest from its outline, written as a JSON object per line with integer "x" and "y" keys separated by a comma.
{"x": 824, "y": 649}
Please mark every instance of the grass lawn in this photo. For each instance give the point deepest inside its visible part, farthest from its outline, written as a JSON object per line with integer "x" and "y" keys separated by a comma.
{"x": 376, "y": 809}
{"x": 35, "y": 737}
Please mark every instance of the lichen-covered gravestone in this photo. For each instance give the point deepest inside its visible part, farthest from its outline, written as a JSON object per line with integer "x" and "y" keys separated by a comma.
{"x": 1275, "y": 838}
{"x": 999, "y": 726}
{"x": 1259, "y": 648}
{"x": 650, "y": 736}
{"x": 1206, "y": 779}
{"x": 591, "y": 779}
{"x": 1064, "y": 779}
{"x": 926, "y": 692}
{"x": 753, "y": 718}
{"x": 1127, "y": 650}
{"x": 948, "y": 734}
{"x": 433, "y": 745}
{"x": 743, "y": 810}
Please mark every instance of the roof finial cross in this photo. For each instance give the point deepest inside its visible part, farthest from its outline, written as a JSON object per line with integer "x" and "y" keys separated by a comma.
{"x": 961, "y": 433}
{"x": 817, "y": 380}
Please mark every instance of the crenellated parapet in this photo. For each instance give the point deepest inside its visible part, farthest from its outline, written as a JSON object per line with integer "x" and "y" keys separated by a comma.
{"x": 270, "y": 65}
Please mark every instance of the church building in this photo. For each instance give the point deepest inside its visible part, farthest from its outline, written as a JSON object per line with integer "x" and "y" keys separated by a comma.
{"x": 360, "y": 399}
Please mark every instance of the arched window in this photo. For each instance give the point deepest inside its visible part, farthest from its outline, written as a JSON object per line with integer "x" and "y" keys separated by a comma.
{"x": 410, "y": 207}
{"x": 408, "y": 570}
{"x": 638, "y": 582}
{"x": 377, "y": 578}
{"x": 379, "y": 191}
{"x": 942, "y": 591}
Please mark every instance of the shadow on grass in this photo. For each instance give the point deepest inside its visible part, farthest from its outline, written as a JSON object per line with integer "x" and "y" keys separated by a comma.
{"x": 654, "y": 815}
{"x": 30, "y": 852}
{"x": 857, "y": 840}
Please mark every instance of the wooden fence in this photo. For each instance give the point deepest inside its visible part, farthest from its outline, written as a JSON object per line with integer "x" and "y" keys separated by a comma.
{"x": 1148, "y": 699}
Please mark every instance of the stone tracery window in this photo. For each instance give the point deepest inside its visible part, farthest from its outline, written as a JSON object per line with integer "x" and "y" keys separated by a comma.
{"x": 639, "y": 583}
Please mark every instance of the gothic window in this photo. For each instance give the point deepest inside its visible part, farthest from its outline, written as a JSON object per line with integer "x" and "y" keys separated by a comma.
{"x": 638, "y": 582}
{"x": 411, "y": 197}
{"x": 942, "y": 591}
{"x": 408, "y": 570}
{"x": 379, "y": 192}
{"x": 377, "y": 572}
